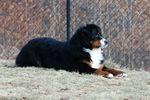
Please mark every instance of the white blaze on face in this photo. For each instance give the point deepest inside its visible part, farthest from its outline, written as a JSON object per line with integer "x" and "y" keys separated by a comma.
{"x": 103, "y": 43}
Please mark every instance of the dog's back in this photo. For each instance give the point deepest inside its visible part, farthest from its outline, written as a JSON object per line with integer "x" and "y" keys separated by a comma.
{"x": 36, "y": 50}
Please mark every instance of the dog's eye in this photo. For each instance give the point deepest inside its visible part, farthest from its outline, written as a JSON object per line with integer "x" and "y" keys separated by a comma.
{"x": 97, "y": 35}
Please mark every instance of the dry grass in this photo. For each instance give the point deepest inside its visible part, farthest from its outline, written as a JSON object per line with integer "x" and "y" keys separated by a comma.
{"x": 47, "y": 84}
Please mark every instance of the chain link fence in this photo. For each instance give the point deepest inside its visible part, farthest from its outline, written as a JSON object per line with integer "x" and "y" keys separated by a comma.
{"x": 125, "y": 24}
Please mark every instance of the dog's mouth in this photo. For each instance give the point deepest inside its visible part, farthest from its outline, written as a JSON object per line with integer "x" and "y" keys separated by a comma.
{"x": 97, "y": 46}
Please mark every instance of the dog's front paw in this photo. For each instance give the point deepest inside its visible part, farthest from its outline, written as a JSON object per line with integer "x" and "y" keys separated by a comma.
{"x": 123, "y": 75}
{"x": 110, "y": 76}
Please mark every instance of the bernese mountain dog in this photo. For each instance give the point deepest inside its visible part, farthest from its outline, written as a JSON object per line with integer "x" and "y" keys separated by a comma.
{"x": 82, "y": 53}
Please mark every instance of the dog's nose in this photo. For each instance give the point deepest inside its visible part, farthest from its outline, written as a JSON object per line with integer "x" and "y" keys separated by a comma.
{"x": 106, "y": 41}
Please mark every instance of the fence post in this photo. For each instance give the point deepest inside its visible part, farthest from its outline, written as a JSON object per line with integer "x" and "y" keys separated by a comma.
{"x": 68, "y": 19}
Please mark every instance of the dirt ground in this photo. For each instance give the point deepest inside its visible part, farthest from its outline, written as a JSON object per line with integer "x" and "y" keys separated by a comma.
{"x": 33, "y": 83}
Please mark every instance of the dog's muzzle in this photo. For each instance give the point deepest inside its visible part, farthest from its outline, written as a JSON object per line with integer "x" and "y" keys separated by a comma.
{"x": 104, "y": 43}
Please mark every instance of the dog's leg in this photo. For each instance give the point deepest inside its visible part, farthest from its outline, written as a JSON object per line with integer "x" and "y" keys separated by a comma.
{"x": 39, "y": 64}
{"x": 103, "y": 73}
{"x": 114, "y": 72}
{"x": 35, "y": 59}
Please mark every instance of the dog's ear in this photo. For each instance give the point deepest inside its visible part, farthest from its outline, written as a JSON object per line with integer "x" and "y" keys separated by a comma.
{"x": 85, "y": 32}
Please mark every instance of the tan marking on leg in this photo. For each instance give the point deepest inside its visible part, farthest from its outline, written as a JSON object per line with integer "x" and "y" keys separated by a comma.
{"x": 101, "y": 66}
{"x": 87, "y": 62}
{"x": 103, "y": 73}
{"x": 100, "y": 72}
{"x": 113, "y": 71}
{"x": 39, "y": 64}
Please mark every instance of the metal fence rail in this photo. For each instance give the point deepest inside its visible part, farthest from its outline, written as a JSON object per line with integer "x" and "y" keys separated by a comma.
{"x": 125, "y": 24}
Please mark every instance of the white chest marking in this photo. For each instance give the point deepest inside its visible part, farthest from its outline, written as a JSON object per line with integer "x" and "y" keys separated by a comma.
{"x": 96, "y": 57}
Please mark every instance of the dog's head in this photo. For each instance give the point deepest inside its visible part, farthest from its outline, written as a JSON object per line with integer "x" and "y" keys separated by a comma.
{"x": 93, "y": 34}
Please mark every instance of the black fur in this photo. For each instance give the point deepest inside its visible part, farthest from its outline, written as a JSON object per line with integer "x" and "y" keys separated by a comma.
{"x": 69, "y": 55}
